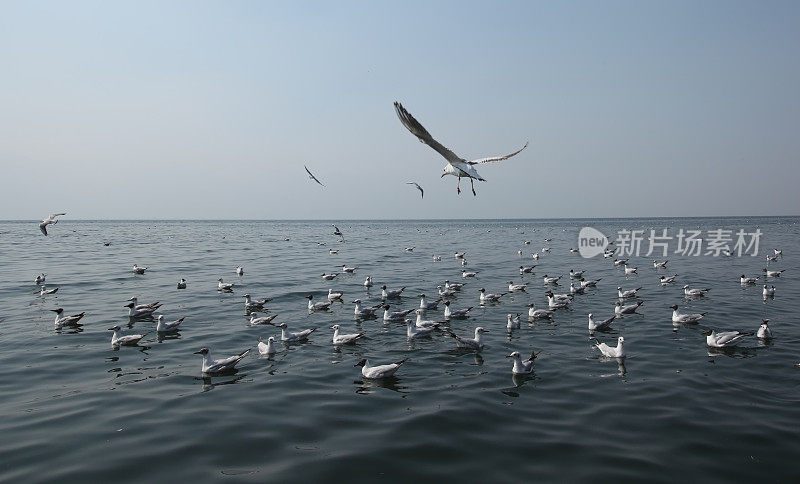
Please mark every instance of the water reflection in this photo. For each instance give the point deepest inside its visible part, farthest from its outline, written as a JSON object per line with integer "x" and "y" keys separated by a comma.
{"x": 208, "y": 385}
{"x": 366, "y": 386}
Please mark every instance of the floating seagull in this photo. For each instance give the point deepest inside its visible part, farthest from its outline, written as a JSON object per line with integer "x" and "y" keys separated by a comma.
{"x": 768, "y": 291}
{"x": 535, "y": 256}
{"x": 598, "y": 325}
{"x": 620, "y": 262}
{"x": 142, "y": 312}
{"x": 778, "y": 252}
{"x": 773, "y": 273}
{"x": 311, "y": 175}
{"x": 396, "y": 315}
{"x": 526, "y": 270}
{"x": 421, "y": 323}
{"x": 724, "y": 339}
{"x": 667, "y": 280}
{"x": 455, "y": 313}
{"x": 239, "y": 270}
{"x": 446, "y": 292}
{"x": 513, "y": 322}
{"x": 43, "y": 291}
{"x": 423, "y": 304}
{"x": 619, "y": 309}
{"x": 224, "y": 286}
{"x": 333, "y": 251}
{"x": 475, "y": 343}
{"x": 167, "y": 326}
{"x": 40, "y": 279}
{"x": 453, "y": 286}
{"x": 138, "y": 270}
{"x": 538, "y": 313}
{"x": 437, "y": 258}
{"x": 629, "y": 270}
{"x": 413, "y": 331}
{"x": 484, "y": 298}
{"x": 747, "y": 281}
{"x": 410, "y": 249}
{"x": 576, "y": 290}
{"x": 466, "y": 274}
{"x": 259, "y": 321}
{"x": 136, "y": 305}
{"x": 592, "y": 283}
{"x": 51, "y": 219}
{"x": 349, "y": 270}
{"x": 456, "y": 166}
{"x": 613, "y": 352}
{"x": 368, "y": 281}
{"x": 516, "y": 287}
{"x": 685, "y": 318}
{"x": 694, "y": 292}
{"x": 320, "y": 306}
{"x": 459, "y": 255}
{"x": 329, "y": 277}
{"x": 551, "y": 280}
{"x": 554, "y": 303}
{"x": 334, "y": 296}
{"x": 182, "y": 284}
{"x": 391, "y": 294}
{"x": 660, "y": 265}
{"x": 268, "y": 348}
{"x": 545, "y": 250}
{"x": 62, "y": 321}
{"x": 127, "y": 340}
{"x": 575, "y": 274}
{"x": 421, "y": 191}
{"x": 251, "y": 305}
{"x": 362, "y": 312}
{"x": 379, "y": 371}
{"x": 763, "y": 331}
{"x": 627, "y": 294}
{"x": 288, "y": 337}
{"x": 211, "y": 366}
{"x": 344, "y": 339}
{"x": 522, "y": 367}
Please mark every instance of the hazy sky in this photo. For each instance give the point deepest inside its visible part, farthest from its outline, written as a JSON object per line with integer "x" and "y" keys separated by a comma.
{"x": 210, "y": 109}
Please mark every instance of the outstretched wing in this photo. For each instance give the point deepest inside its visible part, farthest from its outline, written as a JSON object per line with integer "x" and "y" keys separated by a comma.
{"x": 497, "y": 158}
{"x": 312, "y": 175}
{"x": 421, "y": 191}
{"x": 43, "y": 228}
{"x": 420, "y": 132}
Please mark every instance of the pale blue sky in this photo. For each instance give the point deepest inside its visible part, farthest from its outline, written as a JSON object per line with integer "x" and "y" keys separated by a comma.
{"x": 210, "y": 109}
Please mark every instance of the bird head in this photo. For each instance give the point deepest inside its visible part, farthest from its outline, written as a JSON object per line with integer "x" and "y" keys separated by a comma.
{"x": 114, "y": 328}
{"x": 361, "y": 362}
{"x": 203, "y": 351}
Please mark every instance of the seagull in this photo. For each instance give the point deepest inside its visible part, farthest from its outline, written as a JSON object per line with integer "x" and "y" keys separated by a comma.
{"x": 44, "y": 291}
{"x": 40, "y": 279}
{"x": 554, "y": 303}
{"x": 362, "y": 312}
{"x": 459, "y": 255}
{"x": 182, "y": 284}
{"x": 545, "y": 250}
{"x": 592, "y": 283}
{"x": 660, "y": 265}
{"x": 239, "y": 270}
{"x": 455, "y": 313}
{"x": 343, "y": 339}
{"x": 452, "y": 285}
{"x": 410, "y": 249}
{"x": 211, "y": 366}
{"x": 694, "y": 292}
{"x": 446, "y": 292}
{"x": 391, "y": 294}
{"x": 551, "y": 280}
{"x": 613, "y": 352}
{"x": 396, "y": 315}
{"x": 136, "y": 305}
{"x": 526, "y": 270}
{"x": 767, "y": 292}
{"x": 521, "y": 367}
{"x": 333, "y": 251}
{"x": 619, "y": 309}
{"x": 338, "y": 232}
{"x": 747, "y": 281}
{"x": 421, "y": 191}
{"x": 311, "y": 176}
{"x": 368, "y": 281}
{"x": 349, "y": 270}
{"x": 466, "y": 274}
{"x": 629, "y": 270}
{"x": 167, "y": 327}
{"x": 535, "y": 256}
{"x": 329, "y": 277}
{"x": 724, "y": 339}
{"x": 421, "y": 323}
{"x": 456, "y": 166}
{"x": 620, "y": 262}
{"x": 334, "y": 296}
{"x": 575, "y": 274}
{"x": 138, "y": 270}
{"x": 598, "y": 325}
{"x": 62, "y": 321}
{"x": 773, "y": 273}
{"x": 423, "y": 304}
{"x": 268, "y": 348}
{"x": 516, "y": 287}
{"x": 224, "y": 286}
{"x": 142, "y": 312}
{"x": 576, "y": 290}
{"x": 471, "y": 343}
{"x": 289, "y": 337}
{"x": 379, "y": 371}
{"x": 513, "y": 322}
{"x": 490, "y": 297}
{"x": 437, "y": 258}
{"x": 51, "y": 219}
{"x": 538, "y": 313}
{"x": 667, "y": 280}
{"x": 414, "y": 331}
{"x": 250, "y": 305}
{"x": 626, "y": 294}
{"x": 258, "y": 321}
{"x": 127, "y": 340}
{"x": 778, "y": 252}
{"x": 763, "y": 331}
{"x": 685, "y": 318}
{"x": 320, "y": 306}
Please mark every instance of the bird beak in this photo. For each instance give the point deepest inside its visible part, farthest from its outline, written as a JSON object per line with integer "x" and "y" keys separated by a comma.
{"x": 197, "y": 353}
{"x": 509, "y": 356}
{"x": 443, "y": 174}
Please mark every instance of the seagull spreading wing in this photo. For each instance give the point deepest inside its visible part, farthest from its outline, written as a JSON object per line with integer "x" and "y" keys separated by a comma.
{"x": 338, "y": 232}
{"x": 456, "y": 166}
{"x": 52, "y": 219}
{"x": 311, "y": 175}
{"x": 421, "y": 191}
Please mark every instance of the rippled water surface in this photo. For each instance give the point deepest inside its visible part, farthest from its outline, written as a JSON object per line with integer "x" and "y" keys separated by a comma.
{"x": 75, "y": 408}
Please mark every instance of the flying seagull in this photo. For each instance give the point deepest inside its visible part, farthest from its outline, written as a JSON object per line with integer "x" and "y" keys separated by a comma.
{"x": 52, "y": 219}
{"x": 421, "y": 191}
{"x": 311, "y": 175}
{"x": 458, "y": 167}
{"x": 338, "y": 232}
